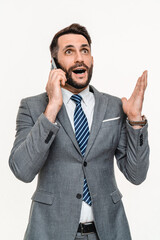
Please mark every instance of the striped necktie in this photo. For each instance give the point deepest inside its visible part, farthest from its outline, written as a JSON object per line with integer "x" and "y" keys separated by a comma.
{"x": 82, "y": 136}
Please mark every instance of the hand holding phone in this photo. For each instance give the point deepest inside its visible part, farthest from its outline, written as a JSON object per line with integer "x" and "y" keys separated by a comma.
{"x": 56, "y": 80}
{"x": 53, "y": 88}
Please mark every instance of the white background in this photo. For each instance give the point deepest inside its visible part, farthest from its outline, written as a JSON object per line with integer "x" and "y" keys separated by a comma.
{"x": 126, "y": 38}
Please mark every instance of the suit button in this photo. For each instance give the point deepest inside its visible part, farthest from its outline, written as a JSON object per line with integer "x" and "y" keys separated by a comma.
{"x": 85, "y": 164}
{"x": 78, "y": 196}
{"x": 141, "y": 139}
{"x": 141, "y": 136}
{"x": 49, "y": 137}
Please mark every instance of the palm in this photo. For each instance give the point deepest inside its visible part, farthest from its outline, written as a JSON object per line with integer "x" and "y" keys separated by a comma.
{"x": 133, "y": 106}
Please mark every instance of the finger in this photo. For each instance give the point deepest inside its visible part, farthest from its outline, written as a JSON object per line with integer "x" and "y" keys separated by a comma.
{"x": 55, "y": 72}
{"x": 124, "y": 100}
{"x": 124, "y": 104}
{"x": 63, "y": 81}
{"x": 57, "y": 76}
{"x": 60, "y": 77}
{"x": 145, "y": 73}
{"x": 136, "y": 89}
{"x": 60, "y": 73}
{"x": 50, "y": 74}
{"x": 141, "y": 85}
{"x": 139, "y": 88}
{"x": 144, "y": 80}
{"x": 146, "y": 76}
{"x": 58, "y": 70}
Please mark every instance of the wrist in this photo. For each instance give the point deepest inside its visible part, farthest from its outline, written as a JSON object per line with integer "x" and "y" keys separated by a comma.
{"x": 134, "y": 118}
{"x": 138, "y": 123}
{"x": 51, "y": 112}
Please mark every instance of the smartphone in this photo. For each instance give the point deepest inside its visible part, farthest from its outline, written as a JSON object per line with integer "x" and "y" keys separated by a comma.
{"x": 53, "y": 64}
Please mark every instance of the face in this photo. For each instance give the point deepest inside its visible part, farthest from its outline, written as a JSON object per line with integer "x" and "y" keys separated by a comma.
{"x": 74, "y": 57}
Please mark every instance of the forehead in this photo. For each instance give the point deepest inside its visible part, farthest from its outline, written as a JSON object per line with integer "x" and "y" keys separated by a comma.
{"x": 71, "y": 39}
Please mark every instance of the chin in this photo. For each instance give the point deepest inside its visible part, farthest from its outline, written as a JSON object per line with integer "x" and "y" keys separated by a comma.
{"x": 77, "y": 84}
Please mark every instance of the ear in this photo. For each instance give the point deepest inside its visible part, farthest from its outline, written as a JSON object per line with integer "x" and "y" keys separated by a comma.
{"x": 92, "y": 61}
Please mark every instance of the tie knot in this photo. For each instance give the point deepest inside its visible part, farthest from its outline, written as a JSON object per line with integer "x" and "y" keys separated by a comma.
{"x": 76, "y": 98}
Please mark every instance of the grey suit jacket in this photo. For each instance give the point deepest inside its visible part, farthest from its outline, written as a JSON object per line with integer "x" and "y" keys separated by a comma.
{"x": 52, "y": 152}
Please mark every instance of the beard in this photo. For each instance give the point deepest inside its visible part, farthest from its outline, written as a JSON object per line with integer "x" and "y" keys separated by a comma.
{"x": 71, "y": 81}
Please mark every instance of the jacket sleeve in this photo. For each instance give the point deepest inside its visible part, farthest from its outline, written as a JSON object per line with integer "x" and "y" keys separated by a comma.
{"x": 32, "y": 143}
{"x": 132, "y": 153}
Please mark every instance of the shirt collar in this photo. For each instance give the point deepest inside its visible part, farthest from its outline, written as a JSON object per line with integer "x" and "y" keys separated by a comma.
{"x": 67, "y": 95}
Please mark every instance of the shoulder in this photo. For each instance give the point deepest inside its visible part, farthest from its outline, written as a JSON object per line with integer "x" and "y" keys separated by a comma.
{"x": 113, "y": 103}
{"x": 110, "y": 98}
{"x": 34, "y": 105}
{"x": 39, "y": 97}
{"x": 35, "y": 101}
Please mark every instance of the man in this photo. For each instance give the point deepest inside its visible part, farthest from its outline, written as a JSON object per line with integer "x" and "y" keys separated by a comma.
{"x": 69, "y": 137}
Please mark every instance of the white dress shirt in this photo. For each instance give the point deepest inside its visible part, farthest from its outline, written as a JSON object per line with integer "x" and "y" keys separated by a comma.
{"x": 87, "y": 103}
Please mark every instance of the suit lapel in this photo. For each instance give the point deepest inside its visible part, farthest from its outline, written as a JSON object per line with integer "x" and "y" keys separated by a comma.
{"x": 65, "y": 122}
{"x": 62, "y": 118}
{"x": 98, "y": 116}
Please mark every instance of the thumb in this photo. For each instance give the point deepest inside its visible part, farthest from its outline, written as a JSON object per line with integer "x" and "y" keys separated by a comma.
{"x": 124, "y": 104}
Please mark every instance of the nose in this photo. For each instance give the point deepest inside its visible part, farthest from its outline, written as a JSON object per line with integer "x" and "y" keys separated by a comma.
{"x": 78, "y": 57}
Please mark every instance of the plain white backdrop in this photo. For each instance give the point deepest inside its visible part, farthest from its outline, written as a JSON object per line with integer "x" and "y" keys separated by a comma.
{"x": 126, "y": 38}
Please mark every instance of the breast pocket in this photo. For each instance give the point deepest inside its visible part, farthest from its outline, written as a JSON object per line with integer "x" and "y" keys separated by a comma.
{"x": 110, "y": 122}
{"x": 109, "y": 133}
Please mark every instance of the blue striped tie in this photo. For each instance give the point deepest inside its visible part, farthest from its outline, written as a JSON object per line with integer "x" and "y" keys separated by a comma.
{"x": 82, "y": 135}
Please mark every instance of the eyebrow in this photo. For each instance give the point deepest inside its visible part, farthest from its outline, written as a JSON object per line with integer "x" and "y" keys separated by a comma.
{"x": 72, "y": 46}
{"x": 68, "y": 46}
{"x": 84, "y": 45}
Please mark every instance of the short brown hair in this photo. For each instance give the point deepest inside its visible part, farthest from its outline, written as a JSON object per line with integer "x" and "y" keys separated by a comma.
{"x": 73, "y": 28}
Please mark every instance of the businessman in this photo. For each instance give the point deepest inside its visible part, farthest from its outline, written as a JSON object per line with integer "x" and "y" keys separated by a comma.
{"x": 69, "y": 136}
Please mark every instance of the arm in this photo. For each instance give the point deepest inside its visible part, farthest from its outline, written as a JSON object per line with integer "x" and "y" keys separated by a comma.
{"x": 33, "y": 140}
{"x": 132, "y": 153}
{"x": 31, "y": 145}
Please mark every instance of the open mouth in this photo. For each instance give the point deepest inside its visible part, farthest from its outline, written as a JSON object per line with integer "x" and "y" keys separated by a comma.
{"x": 79, "y": 71}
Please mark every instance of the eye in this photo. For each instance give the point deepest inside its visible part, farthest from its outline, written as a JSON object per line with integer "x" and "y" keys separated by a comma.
{"x": 85, "y": 51}
{"x": 68, "y": 52}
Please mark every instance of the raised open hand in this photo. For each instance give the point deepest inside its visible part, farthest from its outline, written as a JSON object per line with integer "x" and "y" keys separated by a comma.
{"x": 133, "y": 106}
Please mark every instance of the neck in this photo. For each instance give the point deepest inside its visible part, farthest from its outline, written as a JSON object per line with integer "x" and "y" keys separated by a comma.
{"x": 72, "y": 89}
